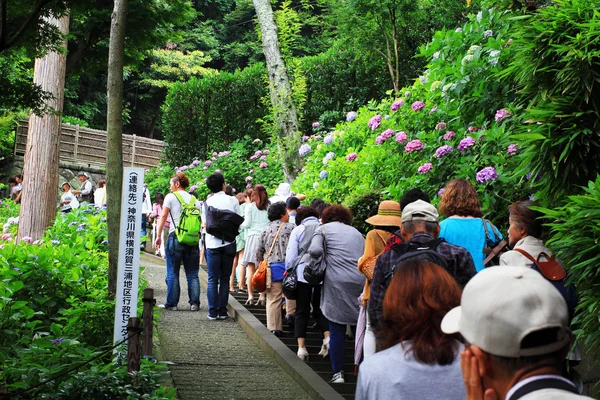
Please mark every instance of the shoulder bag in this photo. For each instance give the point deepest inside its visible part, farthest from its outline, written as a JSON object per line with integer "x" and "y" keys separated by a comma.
{"x": 493, "y": 247}
{"x": 368, "y": 267}
{"x": 290, "y": 279}
{"x": 260, "y": 277}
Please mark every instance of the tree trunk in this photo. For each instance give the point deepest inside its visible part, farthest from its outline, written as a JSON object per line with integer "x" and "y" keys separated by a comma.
{"x": 284, "y": 110}
{"x": 40, "y": 171}
{"x": 114, "y": 145}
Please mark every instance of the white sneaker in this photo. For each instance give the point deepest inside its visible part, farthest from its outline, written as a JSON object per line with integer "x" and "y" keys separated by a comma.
{"x": 302, "y": 354}
{"x": 194, "y": 307}
{"x": 174, "y": 308}
{"x": 338, "y": 377}
{"x": 324, "y": 348}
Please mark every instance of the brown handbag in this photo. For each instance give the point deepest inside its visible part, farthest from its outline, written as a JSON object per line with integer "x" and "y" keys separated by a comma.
{"x": 368, "y": 267}
{"x": 550, "y": 268}
{"x": 260, "y": 279}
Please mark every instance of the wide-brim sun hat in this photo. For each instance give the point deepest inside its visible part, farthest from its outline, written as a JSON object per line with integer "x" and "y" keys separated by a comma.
{"x": 388, "y": 214}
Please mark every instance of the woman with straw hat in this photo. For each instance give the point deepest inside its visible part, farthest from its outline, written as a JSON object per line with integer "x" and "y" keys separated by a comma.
{"x": 385, "y": 222}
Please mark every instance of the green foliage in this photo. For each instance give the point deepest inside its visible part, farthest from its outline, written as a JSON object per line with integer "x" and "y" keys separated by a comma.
{"x": 212, "y": 112}
{"x": 242, "y": 161}
{"x": 575, "y": 234}
{"x": 16, "y": 85}
{"x": 362, "y": 207}
{"x": 555, "y": 67}
{"x": 8, "y": 124}
{"x": 55, "y": 312}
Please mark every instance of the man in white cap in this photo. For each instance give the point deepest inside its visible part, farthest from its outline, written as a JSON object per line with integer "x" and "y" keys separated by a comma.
{"x": 516, "y": 328}
{"x": 281, "y": 193}
{"x": 86, "y": 194}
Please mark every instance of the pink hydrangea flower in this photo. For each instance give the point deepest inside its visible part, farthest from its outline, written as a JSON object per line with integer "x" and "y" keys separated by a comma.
{"x": 251, "y": 171}
{"x": 214, "y": 154}
{"x": 214, "y": 158}
{"x": 473, "y": 129}
{"x": 501, "y": 115}
{"x": 263, "y": 157}
{"x": 27, "y": 239}
{"x": 207, "y": 163}
{"x": 449, "y": 135}
{"x": 249, "y": 186}
{"x": 253, "y": 157}
{"x": 413, "y": 145}
{"x": 266, "y": 152}
{"x": 256, "y": 140}
{"x": 315, "y": 125}
{"x": 417, "y": 105}
{"x": 263, "y": 165}
{"x": 443, "y": 150}
{"x": 388, "y": 133}
{"x": 257, "y": 153}
{"x": 466, "y": 143}
{"x": 375, "y": 122}
{"x": 513, "y": 149}
{"x": 396, "y": 105}
{"x": 488, "y": 174}
{"x": 440, "y": 126}
{"x": 351, "y": 157}
{"x": 248, "y": 178}
{"x": 441, "y": 192}
{"x": 425, "y": 168}
{"x": 401, "y": 137}
{"x": 194, "y": 187}
{"x": 304, "y": 138}
{"x": 195, "y": 162}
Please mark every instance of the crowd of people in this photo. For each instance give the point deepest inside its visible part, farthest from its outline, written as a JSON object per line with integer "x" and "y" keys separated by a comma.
{"x": 433, "y": 313}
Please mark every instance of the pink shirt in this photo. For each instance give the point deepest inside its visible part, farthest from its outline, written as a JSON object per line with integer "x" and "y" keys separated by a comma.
{"x": 157, "y": 211}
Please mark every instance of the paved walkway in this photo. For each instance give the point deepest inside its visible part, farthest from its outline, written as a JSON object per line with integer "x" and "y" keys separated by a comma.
{"x": 213, "y": 359}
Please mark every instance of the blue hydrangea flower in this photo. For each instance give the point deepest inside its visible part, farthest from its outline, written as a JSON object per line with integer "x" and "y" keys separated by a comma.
{"x": 304, "y": 149}
{"x": 324, "y": 174}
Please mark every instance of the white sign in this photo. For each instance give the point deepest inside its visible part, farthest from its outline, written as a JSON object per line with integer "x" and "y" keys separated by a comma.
{"x": 129, "y": 250}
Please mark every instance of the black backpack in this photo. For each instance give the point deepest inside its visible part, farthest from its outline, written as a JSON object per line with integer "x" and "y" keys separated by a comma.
{"x": 223, "y": 224}
{"x": 418, "y": 251}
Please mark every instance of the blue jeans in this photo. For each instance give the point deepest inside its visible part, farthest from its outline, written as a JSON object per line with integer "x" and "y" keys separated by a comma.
{"x": 143, "y": 233}
{"x": 220, "y": 262}
{"x": 337, "y": 345}
{"x": 190, "y": 255}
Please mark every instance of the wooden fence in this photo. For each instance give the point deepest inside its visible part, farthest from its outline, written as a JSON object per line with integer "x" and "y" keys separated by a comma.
{"x": 88, "y": 146}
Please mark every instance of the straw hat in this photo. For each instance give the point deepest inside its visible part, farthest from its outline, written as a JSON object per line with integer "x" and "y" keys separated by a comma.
{"x": 388, "y": 214}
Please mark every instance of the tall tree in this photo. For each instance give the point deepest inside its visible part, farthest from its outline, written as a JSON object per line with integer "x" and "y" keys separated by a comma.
{"x": 114, "y": 145}
{"x": 284, "y": 110}
{"x": 40, "y": 171}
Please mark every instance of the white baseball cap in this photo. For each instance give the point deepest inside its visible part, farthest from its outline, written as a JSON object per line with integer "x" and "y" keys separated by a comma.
{"x": 420, "y": 211}
{"x": 500, "y": 306}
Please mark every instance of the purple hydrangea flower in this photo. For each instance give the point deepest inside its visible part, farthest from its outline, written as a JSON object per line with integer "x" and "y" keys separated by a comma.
{"x": 440, "y": 126}
{"x": 449, "y": 135}
{"x": 315, "y": 125}
{"x": 328, "y": 139}
{"x": 263, "y": 157}
{"x": 441, "y": 192}
{"x": 379, "y": 139}
{"x": 195, "y": 162}
{"x": 466, "y": 143}
{"x": 501, "y": 115}
{"x": 486, "y": 175}
{"x": 214, "y": 158}
{"x": 375, "y": 122}
{"x": 401, "y": 137}
{"x": 512, "y": 149}
{"x": 77, "y": 230}
{"x": 214, "y": 154}
{"x": 303, "y": 150}
{"x": 396, "y": 105}
{"x": 225, "y": 154}
{"x": 351, "y": 157}
{"x": 184, "y": 168}
{"x": 417, "y": 105}
{"x": 388, "y": 133}
{"x": 104, "y": 242}
{"x": 55, "y": 242}
{"x": 443, "y": 150}
{"x": 413, "y": 145}
{"x": 351, "y": 116}
{"x": 29, "y": 239}
{"x": 472, "y": 129}
{"x": 208, "y": 163}
{"x": 488, "y": 34}
{"x": 433, "y": 110}
{"x": 323, "y": 174}
{"x": 253, "y": 157}
{"x": 266, "y": 152}
{"x": 425, "y": 168}
{"x": 317, "y": 137}
{"x": 248, "y": 178}
{"x": 193, "y": 188}
{"x": 263, "y": 165}
{"x": 305, "y": 138}
{"x": 329, "y": 156}
{"x": 249, "y": 186}
{"x": 57, "y": 341}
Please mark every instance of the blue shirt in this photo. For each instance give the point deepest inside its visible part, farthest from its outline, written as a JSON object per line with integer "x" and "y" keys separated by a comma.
{"x": 470, "y": 234}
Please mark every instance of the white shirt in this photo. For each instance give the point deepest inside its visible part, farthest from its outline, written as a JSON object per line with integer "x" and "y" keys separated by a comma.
{"x": 222, "y": 202}
{"x": 73, "y": 204}
{"x": 86, "y": 187}
{"x": 172, "y": 203}
{"x": 147, "y": 203}
{"x": 99, "y": 198}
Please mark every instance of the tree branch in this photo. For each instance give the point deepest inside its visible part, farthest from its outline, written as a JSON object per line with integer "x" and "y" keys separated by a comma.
{"x": 37, "y": 8}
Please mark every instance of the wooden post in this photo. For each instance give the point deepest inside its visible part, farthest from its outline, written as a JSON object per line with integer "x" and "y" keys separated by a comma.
{"x": 133, "y": 152}
{"x": 148, "y": 319}
{"x": 76, "y": 142}
{"x": 133, "y": 344}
